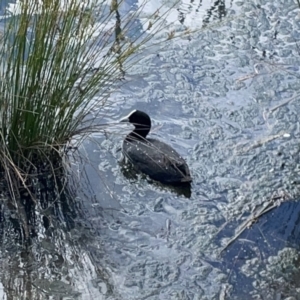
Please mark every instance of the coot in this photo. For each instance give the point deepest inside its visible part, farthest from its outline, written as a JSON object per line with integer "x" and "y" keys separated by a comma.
{"x": 152, "y": 157}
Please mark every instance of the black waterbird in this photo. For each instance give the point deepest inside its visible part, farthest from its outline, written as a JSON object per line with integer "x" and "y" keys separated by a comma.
{"x": 150, "y": 156}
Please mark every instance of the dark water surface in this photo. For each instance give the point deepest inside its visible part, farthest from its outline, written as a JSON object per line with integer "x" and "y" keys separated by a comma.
{"x": 226, "y": 98}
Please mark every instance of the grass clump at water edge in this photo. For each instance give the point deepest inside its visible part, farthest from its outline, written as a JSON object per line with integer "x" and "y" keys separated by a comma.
{"x": 59, "y": 60}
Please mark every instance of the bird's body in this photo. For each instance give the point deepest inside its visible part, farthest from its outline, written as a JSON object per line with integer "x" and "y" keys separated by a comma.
{"x": 150, "y": 156}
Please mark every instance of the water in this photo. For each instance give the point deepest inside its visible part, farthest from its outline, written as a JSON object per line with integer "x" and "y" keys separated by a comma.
{"x": 226, "y": 99}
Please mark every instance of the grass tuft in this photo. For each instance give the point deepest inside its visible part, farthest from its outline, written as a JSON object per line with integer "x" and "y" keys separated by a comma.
{"x": 59, "y": 62}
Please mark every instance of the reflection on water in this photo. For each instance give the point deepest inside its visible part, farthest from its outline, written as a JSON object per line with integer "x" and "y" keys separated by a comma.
{"x": 202, "y": 12}
{"x": 258, "y": 247}
{"x": 218, "y": 9}
{"x": 60, "y": 258}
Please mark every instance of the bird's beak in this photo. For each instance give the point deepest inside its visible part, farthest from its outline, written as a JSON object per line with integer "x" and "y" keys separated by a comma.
{"x": 124, "y": 120}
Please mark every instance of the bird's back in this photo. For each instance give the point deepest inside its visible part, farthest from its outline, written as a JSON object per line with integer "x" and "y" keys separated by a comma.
{"x": 156, "y": 159}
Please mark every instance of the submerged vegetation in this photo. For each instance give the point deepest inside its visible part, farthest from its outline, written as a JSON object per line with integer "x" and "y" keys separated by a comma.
{"x": 59, "y": 62}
